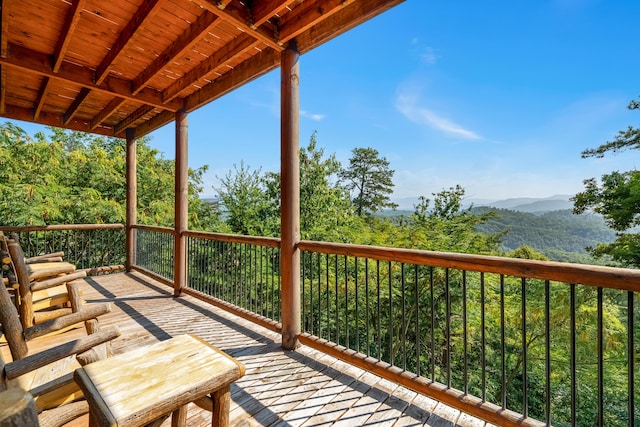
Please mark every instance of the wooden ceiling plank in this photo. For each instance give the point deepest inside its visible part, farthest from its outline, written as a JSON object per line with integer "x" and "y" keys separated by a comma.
{"x": 40, "y": 64}
{"x": 240, "y": 17}
{"x": 146, "y": 11}
{"x": 250, "y": 69}
{"x": 132, "y": 118}
{"x": 42, "y": 96}
{"x": 3, "y": 89}
{"x": 344, "y": 20}
{"x": 227, "y": 53}
{"x": 70, "y": 24}
{"x": 75, "y": 105}
{"x": 106, "y": 112}
{"x": 149, "y": 126}
{"x": 204, "y": 24}
{"x": 49, "y": 119}
{"x": 266, "y": 9}
{"x": 307, "y": 15}
{"x": 4, "y": 28}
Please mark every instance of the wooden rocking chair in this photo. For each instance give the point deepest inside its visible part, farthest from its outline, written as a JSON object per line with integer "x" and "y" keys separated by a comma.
{"x": 48, "y": 375}
{"x": 45, "y": 289}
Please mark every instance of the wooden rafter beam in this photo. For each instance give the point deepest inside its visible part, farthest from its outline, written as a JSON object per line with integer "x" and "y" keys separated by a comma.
{"x": 49, "y": 119}
{"x": 146, "y": 11}
{"x": 132, "y": 118}
{"x": 262, "y": 11}
{"x": 149, "y": 126}
{"x": 42, "y": 96}
{"x": 227, "y": 53}
{"x": 342, "y": 21}
{"x": 75, "y": 105}
{"x": 240, "y": 16}
{"x": 248, "y": 70}
{"x": 106, "y": 112}
{"x": 202, "y": 25}
{"x": 36, "y": 62}
{"x": 307, "y": 15}
{"x": 73, "y": 17}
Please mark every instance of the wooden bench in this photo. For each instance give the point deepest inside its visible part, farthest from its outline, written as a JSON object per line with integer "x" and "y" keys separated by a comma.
{"x": 152, "y": 382}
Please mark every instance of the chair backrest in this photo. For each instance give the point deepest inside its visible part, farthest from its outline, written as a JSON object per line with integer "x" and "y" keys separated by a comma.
{"x": 24, "y": 283}
{"x": 11, "y": 326}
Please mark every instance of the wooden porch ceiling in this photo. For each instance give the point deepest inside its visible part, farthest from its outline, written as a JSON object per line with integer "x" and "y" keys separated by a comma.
{"x": 104, "y": 66}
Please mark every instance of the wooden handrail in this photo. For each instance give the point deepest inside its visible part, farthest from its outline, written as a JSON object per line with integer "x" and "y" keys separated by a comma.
{"x": 592, "y": 275}
{"x": 271, "y": 242}
{"x": 59, "y": 227}
{"x": 156, "y": 228}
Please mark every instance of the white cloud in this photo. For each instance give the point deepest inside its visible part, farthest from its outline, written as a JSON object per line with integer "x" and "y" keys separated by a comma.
{"x": 315, "y": 117}
{"x": 429, "y": 56}
{"x": 407, "y": 105}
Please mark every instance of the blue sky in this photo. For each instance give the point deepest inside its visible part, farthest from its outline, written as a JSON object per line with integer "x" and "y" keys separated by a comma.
{"x": 499, "y": 96}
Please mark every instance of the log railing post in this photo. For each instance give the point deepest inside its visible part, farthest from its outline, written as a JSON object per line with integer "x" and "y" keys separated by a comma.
{"x": 290, "y": 197}
{"x": 132, "y": 196}
{"x": 181, "y": 203}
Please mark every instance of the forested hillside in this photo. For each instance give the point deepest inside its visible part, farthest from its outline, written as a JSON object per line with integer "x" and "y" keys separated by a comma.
{"x": 561, "y": 235}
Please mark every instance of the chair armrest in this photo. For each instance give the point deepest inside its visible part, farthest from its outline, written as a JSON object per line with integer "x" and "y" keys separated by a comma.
{"x": 87, "y": 312}
{"x": 55, "y": 281}
{"x": 45, "y": 257}
{"x": 47, "y": 270}
{"x": 35, "y": 361}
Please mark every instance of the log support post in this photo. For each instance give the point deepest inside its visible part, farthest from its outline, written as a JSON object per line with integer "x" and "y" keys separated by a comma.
{"x": 132, "y": 199}
{"x": 290, "y": 197}
{"x": 181, "y": 203}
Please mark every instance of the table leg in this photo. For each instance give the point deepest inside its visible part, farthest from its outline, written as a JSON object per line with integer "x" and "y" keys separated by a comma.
{"x": 221, "y": 402}
{"x": 179, "y": 417}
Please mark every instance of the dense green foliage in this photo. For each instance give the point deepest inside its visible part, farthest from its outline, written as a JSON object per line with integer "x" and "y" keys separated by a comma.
{"x": 560, "y": 235}
{"x": 617, "y": 198}
{"x": 77, "y": 178}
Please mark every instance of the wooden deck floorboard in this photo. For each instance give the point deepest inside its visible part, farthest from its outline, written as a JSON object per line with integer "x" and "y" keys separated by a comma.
{"x": 281, "y": 388}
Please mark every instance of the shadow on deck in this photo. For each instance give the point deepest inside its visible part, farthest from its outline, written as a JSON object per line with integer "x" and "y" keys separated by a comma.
{"x": 280, "y": 388}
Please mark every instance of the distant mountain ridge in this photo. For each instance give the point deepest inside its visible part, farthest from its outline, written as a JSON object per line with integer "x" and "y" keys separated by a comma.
{"x": 533, "y": 205}
{"x": 521, "y": 204}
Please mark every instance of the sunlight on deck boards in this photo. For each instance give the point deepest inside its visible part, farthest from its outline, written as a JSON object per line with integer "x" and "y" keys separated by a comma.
{"x": 281, "y": 388}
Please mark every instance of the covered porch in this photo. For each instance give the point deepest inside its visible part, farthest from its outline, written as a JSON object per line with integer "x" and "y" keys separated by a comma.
{"x": 401, "y": 324}
{"x": 280, "y": 388}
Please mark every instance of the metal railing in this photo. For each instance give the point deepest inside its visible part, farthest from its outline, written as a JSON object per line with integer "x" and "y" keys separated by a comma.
{"x": 98, "y": 248}
{"x": 511, "y": 341}
{"x": 515, "y": 342}
{"x": 242, "y": 271}
{"x": 154, "y": 250}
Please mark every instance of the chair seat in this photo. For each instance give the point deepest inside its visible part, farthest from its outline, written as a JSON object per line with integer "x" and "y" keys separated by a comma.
{"x": 59, "y": 373}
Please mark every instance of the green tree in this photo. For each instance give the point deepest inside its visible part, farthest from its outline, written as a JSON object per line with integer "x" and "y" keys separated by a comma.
{"x": 446, "y": 226}
{"x": 617, "y": 198}
{"x": 80, "y": 178}
{"x": 324, "y": 203}
{"x": 245, "y": 202}
{"x": 370, "y": 180}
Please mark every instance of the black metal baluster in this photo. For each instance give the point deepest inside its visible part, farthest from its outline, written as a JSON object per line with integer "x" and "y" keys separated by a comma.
{"x": 572, "y": 308}
{"x": 503, "y": 374}
{"x": 600, "y": 343}
{"x": 525, "y": 388}
{"x": 483, "y": 339}
{"x": 416, "y": 292}
{"x": 366, "y": 309}
{"x": 547, "y": 355}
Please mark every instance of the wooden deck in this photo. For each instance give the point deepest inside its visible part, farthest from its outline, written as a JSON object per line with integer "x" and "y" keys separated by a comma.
{"x": 280, "y": 388}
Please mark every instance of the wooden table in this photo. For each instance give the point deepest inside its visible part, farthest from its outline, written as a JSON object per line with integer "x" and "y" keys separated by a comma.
{"x": 140, "y": 386}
